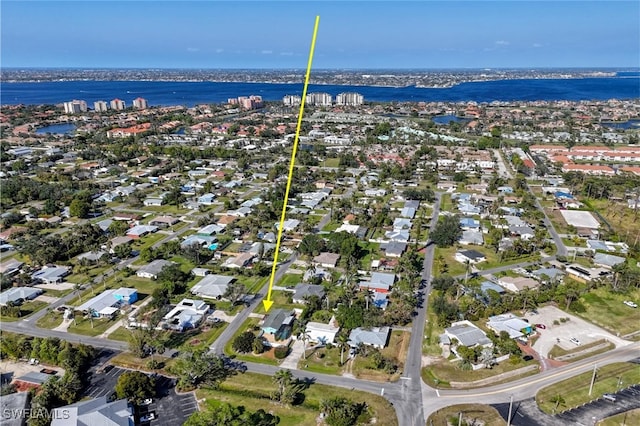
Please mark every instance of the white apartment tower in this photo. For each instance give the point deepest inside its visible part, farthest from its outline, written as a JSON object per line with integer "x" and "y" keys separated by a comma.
{"x": 350, "y": 99}
{"x": 319, "y": 99}
{"x": 117, "y": 105}
{"x": 140, "y": 103}
{"x": 75, "y": 106}
{"x": 291, "y": 100}
{"x": 100, "y": 106}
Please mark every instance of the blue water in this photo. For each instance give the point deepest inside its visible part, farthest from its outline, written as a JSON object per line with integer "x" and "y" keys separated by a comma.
{"x": 623, "y": 125}
{"x": 192, "y": 93}
{"x": 60, "y": 129}
{"x": 446, "y": 119}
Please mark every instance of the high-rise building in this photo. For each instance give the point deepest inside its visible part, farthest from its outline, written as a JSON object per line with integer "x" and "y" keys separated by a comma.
{"x": 100, "y": 106}
{"x": 117, "y": 105}
{"x": 75, "y": 106}
{"x": 349, "y": 98}
{"x": 140, "y": 103}
{"x": 291, "y": 100}
{"x": 319, "y": 99}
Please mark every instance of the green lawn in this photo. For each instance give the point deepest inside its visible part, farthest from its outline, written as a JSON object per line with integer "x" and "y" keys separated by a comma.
{"x": 331, "y": 226}
{"x": 557, "y": 351}
{"x": 331, "y": 162}
{"x": 253, "y": 390}
{"x": 606, "y": 310}
{"x": 629, "y": 418}
{"x": 121, "y": 334}
{"x": 471, "y": 413}
{"x": 265, "y": 358}
{"x": 443, "y": 372}
{"x": 51, "y": 320}
{"x": 575, "y": 391}
{"x": 432, "y": 332}
{"x": 323, "y": 360}
{"x": 83, "y": 326}
{"x": 290, "y": 280}
{"x": 148, "y": 241}
{"x": 26, "y": 309}
{"x": 280, "y": 301}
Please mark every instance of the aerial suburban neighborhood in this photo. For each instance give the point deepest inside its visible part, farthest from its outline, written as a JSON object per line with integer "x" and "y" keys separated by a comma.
{"x": 429, "y": 251}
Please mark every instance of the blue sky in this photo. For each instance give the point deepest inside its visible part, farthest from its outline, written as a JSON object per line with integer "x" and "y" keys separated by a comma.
{"x": 359, "y": 34}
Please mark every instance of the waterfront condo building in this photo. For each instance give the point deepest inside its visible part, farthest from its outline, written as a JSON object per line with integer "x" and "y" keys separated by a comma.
{"x": 117, "y": 105}
{"x": 247, "y": 102}
{"x": 319, "y": 99}
{"x": 291, "y": 100}
{"x": 350, "y": 99}
{"x": 100, "y": 106}
{"x": 140, "y": 103}
{"x": 75, "y": 106}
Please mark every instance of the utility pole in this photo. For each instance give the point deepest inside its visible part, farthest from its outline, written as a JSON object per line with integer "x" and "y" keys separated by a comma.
{"x": 593, "y": 378}
{"x": 460, "y": 418}
{"x": 510, "y": 407}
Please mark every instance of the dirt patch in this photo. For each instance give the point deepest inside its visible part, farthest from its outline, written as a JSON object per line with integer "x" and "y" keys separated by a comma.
{"x": 430, "y": 360}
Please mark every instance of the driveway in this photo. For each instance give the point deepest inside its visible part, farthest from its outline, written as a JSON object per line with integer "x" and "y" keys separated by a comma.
{"x": 576, "y": 327}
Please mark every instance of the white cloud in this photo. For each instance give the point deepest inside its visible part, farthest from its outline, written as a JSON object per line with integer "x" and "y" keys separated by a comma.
{"x": 219, "y": 50}
{"x": 267, "y": 52}
{"x": 502, "y": 43}
{"x": 537, "y": 45}
{"x": 286, "y": 53}
{"x": 193, "y": 49}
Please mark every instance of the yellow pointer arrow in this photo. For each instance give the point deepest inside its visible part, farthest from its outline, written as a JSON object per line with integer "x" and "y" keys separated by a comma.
{"x": 268, "y": 302}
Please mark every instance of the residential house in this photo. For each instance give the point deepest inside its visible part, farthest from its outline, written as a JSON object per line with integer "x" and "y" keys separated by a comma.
{"x": 164, "y": 221}
{"x": 322, "y": 333}
{"x": 516, "y": 284}
{"x": 212, "y": 286}
{"x": 358, "y": 231}
{"x": 607, "y": 260}
{"x": 471, "y": 256}
{"x": 398, "y": 235}
{"x": 327, "y": 260}
{"x": 109, "y": 302}
{"x": 551, "y": 274}
{"x": 467, "y": 223}
{"x": 200, "y": 241}
{"x": 207, "y": 199}
{"x": 96, "y": 411}
{"x": 524, "y": 232}
{"x": 242, "y": 260}
{"x": 288, "y": 225}
{"x": 471, "y": 237}
{"x": 140, "y": 231}
{"x": 10, "y": 267}
{"x": 153, "y": 201}
{"x": 515, "y": 326}
{"x": 210, "y": 229}
{"x": 583, "y": 274}
{"x": 393, "y": 248}
{"x": 91, "y": 256}
{"x": 408, "y": 212}
{"x": 17, "y": 402}
{"x": 50, "y": 274}
{"x": 187, "y": 314}
{"x": 200, "y": 272}
{"x": 378, "y": 337}
{"x": 151, "y": 270}
{"x": 380, "y": 282}
{"x": 116, "y": 241}
{"x": 303, "y": 291}
{"x": 17, "y": 295}
{"x": 278, "y": 324}
{"x": 467, "y": 334}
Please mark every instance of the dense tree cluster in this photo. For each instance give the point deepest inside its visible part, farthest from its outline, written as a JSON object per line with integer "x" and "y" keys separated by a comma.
{"x": 228, "y": 415}
{"x": 447, "y": 231}
{"x": 135, "y": 386}
{"x": 341, "y": 411}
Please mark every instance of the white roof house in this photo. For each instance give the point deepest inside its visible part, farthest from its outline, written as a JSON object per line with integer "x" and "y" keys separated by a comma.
{"x": 186, "y": 314}
{"x": 468, "y": 334}
{"x": 322, "y": 333}
{"x": 109, "y": 302}
{"x": 51, "y": 274}
{"x": 18, "y": 294}
{"x": 151, "y": 270}
{"x": 377, "y": 337}
{"x": 212, "y": 286}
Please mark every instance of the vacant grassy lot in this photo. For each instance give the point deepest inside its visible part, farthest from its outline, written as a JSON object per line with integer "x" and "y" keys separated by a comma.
{"x": 557, "y": 351}
{"x": 629, "y": 418}
{"x": 575, "y": 391}
{"x": 606, "y": 310}
{"x": 83, "y": 326}
{"x": 253, "y": 391}
{"x": 51, "y": 320}
{"x": 290, "y": 280}
{"x": 443, "y": 372}
{"x": 280, "y": 301}
{"x": 323, "y": 360}
{"x": 471, "y": 413}
{"x": 26, "y": 309}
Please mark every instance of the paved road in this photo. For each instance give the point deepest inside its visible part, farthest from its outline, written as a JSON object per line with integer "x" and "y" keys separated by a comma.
{"x": 227, "y": 334}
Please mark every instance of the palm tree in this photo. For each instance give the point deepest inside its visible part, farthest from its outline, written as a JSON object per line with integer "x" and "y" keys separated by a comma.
{"x": 76, "y": 288}
{"x": 304, "y": 337}
{"x": 558, "y": 400}
{"x": 343, "y": 341}
{"x": 282, "y": 378}
{"x": 91, "y": 314}
{"x": 467, "y": 268}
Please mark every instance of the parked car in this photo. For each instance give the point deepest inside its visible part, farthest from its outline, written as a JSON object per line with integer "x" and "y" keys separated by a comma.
{"x": 527, "y": 357}
{"x": 148, "y": 417}
{"x": 147, "y": 401}
{"x": 542, "y": 326}
{"x": 576, "y": 341}
{"x": 609, "y": 397}
{"x": 630, "y": 304}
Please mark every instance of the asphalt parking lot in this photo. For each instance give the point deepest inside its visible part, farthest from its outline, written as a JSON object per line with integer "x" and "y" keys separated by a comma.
{"x": 575, "y": 327}
{"x": 169, "y": 408}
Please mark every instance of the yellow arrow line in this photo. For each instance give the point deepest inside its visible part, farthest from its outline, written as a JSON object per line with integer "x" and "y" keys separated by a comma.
{"x": 268, "y": 303}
